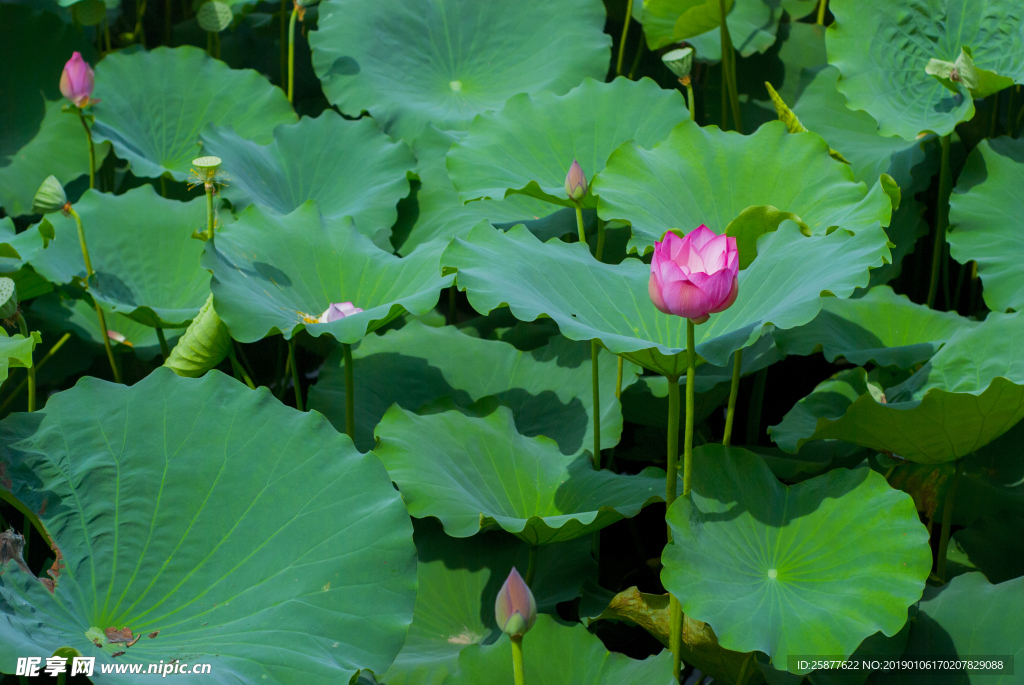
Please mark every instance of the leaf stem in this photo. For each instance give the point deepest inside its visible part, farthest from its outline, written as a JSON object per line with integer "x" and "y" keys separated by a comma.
{"x": 745, "y": 671}
{"x": 672, "y": 460}
{"x": 675, "y": 613}
{"x": 599, "y": 250}
{"x": 730, "y": 414}
{"x": 239, "y": 370}
{"x": 29, "y": 516}
{"x": 17, "y": 391}
{"x": 165, "y": 350}
{"x": 595, "y": 350}
{"x": 92, "y": 149}
{"x": 622, "y": 41}
{"x": 821, "y": 12}
{"x": 618, "y": 380}
{"x": 691, "y": 355}
{"x": 23, "y": 328}
{"x": 517, "y": 660}
{"x": 942, "y": 219}
{"x": 350, "y": 389}
{"x": 729, "y": 68}
{"x": 291, "y": 52}
{"x": 947, "y": 520}
{"x": 89, "y": 273}
{"x": 295, "y": 374}
{"x": 531, "y": 566}
{"x": 639, "y": 52}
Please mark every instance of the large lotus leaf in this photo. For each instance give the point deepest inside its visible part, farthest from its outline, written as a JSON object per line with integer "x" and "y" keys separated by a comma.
{"x": 811, "y": 568}
{"x": 802, "y": 55}
{"x": 156, "y": 103}
{"x": 15, "y": 351}
{"x": 349, "y": 167}
{"x": 558, "y": 654}
{"x": 277, "y": 274}
{"x": 459, "y": 580}
{"x": 16, "y": 249}
{"x": 213, "y": 522}
{"x": 969, "y": 618}
{"x": 474, "y": 472}
{"x": 549, "y": 390}
{"x": 881, "y": 327}
{"x": 141, "y": 247}
{"x": 441, "y": 212}
{"x": 968, "y": 394}
{"x": 994, "y": 546}
{"x": 883, "y": 46}
{"x": 707, "y": 176}
{"x": 752, "y": 26}
{"x": 986, "y": 213}
{"x": 822, "y": 109}
{"x": 528, "y": 146}
{"x": 783, "y": 287}
{"x": 410, "y": 63}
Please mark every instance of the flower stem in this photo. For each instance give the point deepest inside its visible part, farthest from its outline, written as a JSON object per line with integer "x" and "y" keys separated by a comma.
{"x": 89, "y": 273}
{"x": 942, "y": 219}
{"x": 23, "y": 327}
{"x": 675, "y": 636}
{"x": 599, "y": 250}
{"x": 579, "y": 223}
{"x": 595, "y": 350}
{"x": 291, "y": 53}
{"x": 691, "y": 354}
{"x": 672, "y": 460}
{"x": 350, "y": 389}
{"x": 622, "y": 41}
{"x": 17, "y": 391}
{"x": 690, "y": 100}
{"x": 517, "y": 660}
{"x": 947, "y": 520}
{"x": 618, "y": 381}
{"x": 821, "y": 12}
{"x": 211, "y": 219}
{"x": 92, "y": 150}
{"x": 730, "y": 414}
{"x": 295, "y": 374}
{"x": 729, "y": 69}
{"x": 165, "y": 350}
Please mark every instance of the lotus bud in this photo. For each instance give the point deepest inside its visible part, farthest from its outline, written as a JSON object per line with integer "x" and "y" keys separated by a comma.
{"x": 76, "y": 82}
{"x": 695, "y": 276}
{"x": 50, "y": 197}
{"x": 679, "y": 61}
{"x": 338, "y": 311}
{"x": 575, "y": 182}
{"x": 515, "y": 609}
{"x": 117, "y": 337}
{"x": 8, "y": 298}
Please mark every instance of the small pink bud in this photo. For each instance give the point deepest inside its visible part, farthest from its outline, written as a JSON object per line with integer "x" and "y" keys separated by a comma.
{"x": 515, "y": 609}
{"x": 575, "y": 182}
{"x": 116, "y": 337}
{"x": 338, "y": 311}
{"x": 76, "y": 82}
{"x": 694, "y": 276}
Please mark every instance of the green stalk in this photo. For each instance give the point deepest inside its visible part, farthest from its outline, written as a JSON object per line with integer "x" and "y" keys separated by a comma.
{"x": 745, "y": 671}
{"x": 517, "y": 660}
{"x": 942, "y": 220}
{"x": 211, "y": 218}
{"x": 730, "y": 414}
{"x": 239, "y": 370}
{"x": 88, "y": 277}
{"x": 531, "y": 566}
{"x": 618, "y": 381}
{"x": 676, "y": 636}
{"x": 295, "y": 374}
{"x": 947, "y": 520}
{"x": 595, "y": 349}
{"x": 23, "y": 327}
{"x": 165, "y": 350}
{"x": 167, "y": 22}
{"x": 579, "y": 223}
{"x": 284, "y": 42}
{"x": 599, "y": 250}
{"x": 821, "y": 12}
{"x": 29, "y": 518}
{"x": 636, "y": 58}
{"x": 140, "y": 34}
{"x": 92, "y": 150}
{"x": 754, "y": 410}
{"x": 690, "y": 101}
{"x": 291, "y": 53}
{"x": 691, "y": 363}
{"x": 672, "y": 461}
{"x": 452, "y": 305}
{"x": 729, "y": 68}
{"x": 350, "y": 389}
{"x": 17, "y": 391}
{"x": 622, "y": 41}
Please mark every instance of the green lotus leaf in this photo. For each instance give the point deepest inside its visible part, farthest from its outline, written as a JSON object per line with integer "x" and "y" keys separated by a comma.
{"x": 752, "y": 25}
{"x": 993, "y": 480}
{"x": 968, "y": 618}
{"x": 558, "y": 280}
{"x": 882, "y": 48}
{"x": 802, "y": 54}
{"x": 475, "y": 472}
{"x": 811, "y": 568}
{"x": 79, "y": 317}
{"x": 528, "y": 146}
{"x": 706, "y": 176}
{"x": 17, "y": 248}
{"x": 16, "y": 351}
{"x": 140, "y": 245}
{"x": 977, "y": 377}
{"x": 994, "y": 546}
{"x": 986, "y": 213}
{"x": 881, "y": 327}
{"x": 459, "y": 580}
{"x": 349, "y": 167}
{"x": 409, "y": 64}
{"x": 277, "y": 274}
{"x": 212, "y": 522}
{"x": 442, "y": 214}
{"x": 205, "y": 344}
{"x": 548, "y": 389}
{"x": 156, "y": 103}
{"x": 557, "y": 654}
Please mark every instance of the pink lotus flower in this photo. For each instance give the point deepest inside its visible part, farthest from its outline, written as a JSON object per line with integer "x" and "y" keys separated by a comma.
{"x": 515, "y": 609}
{"x": 338, "y": 311}
{"x": 694, "y": 276}
{"x": 575, "y": 182}
{"x": 76, "y": 82}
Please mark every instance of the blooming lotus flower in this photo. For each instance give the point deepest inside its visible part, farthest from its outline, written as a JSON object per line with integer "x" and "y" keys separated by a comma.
{"x": 77, "y": 81}
{"x": 338, "y": 311}
{"x": 515, "y": 608}
{"x": 575, "y": 182}
{"x": 694, "y": 276}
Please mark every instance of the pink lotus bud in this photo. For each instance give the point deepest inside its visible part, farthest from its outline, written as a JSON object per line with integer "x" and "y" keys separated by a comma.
{"x": 116, "y": 337}
{"x": 338, "y": 311}
{"x": 694, "y": 276}
{"x": 77, "y": 81}
{"x": 515, "y": 608}
{"x": 575, "y": 182}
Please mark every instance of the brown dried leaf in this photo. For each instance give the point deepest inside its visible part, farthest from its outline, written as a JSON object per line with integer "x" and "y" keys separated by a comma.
{"x": 114, "y": 635}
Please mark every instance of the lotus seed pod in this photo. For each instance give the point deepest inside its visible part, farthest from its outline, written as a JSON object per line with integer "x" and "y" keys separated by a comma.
{"x": 679, "y": 61}
{"x": 575, "y": 182}
{"x": 8, "y": 298}
{"x": 515, "y": 609}
{"x": 206, "y": 167}
{"x": 50, "y": 197}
